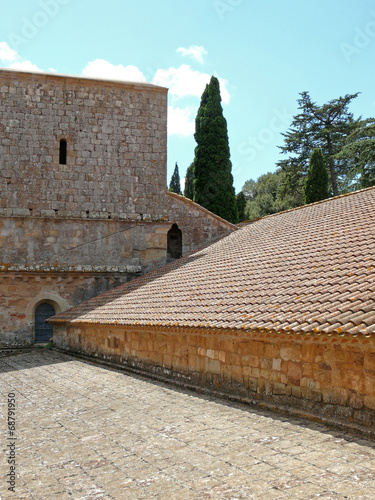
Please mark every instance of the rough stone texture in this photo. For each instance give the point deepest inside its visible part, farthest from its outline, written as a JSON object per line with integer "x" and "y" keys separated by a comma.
{"x": 196, "y": 223}
{"x": 331, "y": 376}
{"x": 44, "y": 241}
{"x": 116, "y": 137}
{"x": 106, "y": 208}
{"x": 21, "y": 292}
{"x": 86, "y": 432}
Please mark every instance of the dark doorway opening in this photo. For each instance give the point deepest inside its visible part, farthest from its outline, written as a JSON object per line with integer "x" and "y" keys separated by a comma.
{"x": 174, "y": 242}
{"x": 43, "y": 330}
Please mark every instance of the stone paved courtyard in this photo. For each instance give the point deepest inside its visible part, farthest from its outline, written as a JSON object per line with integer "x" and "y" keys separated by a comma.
{"x": 85, "y": 432}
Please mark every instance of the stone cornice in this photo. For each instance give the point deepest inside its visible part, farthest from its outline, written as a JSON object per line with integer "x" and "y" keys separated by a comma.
{"x": 227, "y": 333}
{"x": 77, "y": 79}
{"x": 66, "y": 268}
{"x": 77, "y": 214}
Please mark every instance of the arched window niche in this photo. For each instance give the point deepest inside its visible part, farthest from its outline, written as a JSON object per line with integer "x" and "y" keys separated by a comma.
{"x": 63, "y": 152}
{"x": 35, "y": 316}
{"x": 174, "y": 243}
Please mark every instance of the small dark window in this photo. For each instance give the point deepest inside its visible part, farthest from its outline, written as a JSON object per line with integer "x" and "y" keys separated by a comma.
{"x": 62, "y": 159}
{"x": 174, "y": 242}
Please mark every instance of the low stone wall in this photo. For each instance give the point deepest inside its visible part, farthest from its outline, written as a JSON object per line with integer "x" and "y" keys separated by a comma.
{"x": 332, "y": 377}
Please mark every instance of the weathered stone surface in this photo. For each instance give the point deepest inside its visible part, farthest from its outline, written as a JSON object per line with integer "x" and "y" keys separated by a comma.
{"x": 84, "y": 431}
{"x": 116, "y": 137}
{"x": 194, "y": 355}
{"x": 107, "y": 207}
{"x": 21, "y": 292}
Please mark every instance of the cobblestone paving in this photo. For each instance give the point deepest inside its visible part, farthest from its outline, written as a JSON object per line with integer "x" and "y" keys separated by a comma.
{"x": 88, "y": 432}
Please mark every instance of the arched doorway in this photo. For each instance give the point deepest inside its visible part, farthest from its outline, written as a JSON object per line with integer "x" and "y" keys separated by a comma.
{"x": 174, "y": 242}
{"x": 43, "y": 330}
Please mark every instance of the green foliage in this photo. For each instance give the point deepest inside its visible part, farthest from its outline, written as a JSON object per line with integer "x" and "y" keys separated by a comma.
{"x": 189, "y": 182}
{"x": 326, "y": 127}
{"x": 266, "y": 195}
{"x": 359, "y": 152}
{"x": 175, "y": 184}
{"x": 317, "y": 181}
{"x": 241, "y": 205}
{"x": 213, "y": 181}
{"x": 347, "y": 149}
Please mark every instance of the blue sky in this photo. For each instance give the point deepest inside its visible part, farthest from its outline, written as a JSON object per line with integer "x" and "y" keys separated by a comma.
{"x": 264, "y": 53}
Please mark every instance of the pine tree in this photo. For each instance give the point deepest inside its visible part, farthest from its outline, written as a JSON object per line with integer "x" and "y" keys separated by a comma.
{"x": 326, "y": 127}
{"x": 175, "y": 184}
{"x": 359, "y": 153}
{"x": 317, "y": 179}
{"x": 241, "y": 205}
{"x": 189, "y": 183}
{"x": 213, "y": 180}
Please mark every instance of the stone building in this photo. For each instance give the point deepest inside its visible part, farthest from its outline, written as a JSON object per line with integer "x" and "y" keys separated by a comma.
{"x": 281, "y": 311}
{"x": 83, "y": 199}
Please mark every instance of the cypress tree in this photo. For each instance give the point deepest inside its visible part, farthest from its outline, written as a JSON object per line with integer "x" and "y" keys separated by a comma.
{"x": 175, "y": 185}
{"x": 316, "y": 186}
{"x": 189, "y": 183}
{"x": 241, "y": 205}
{"x": 213, "y": 180}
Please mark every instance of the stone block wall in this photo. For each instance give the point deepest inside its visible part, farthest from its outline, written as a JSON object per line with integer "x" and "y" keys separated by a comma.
{"x": 76, "y": 259}
{"x": 198, "y": 225}
{"x": 22, "y": 291}
{"x": 116, "y": 136}
{"x": 329, "y": 376}
{"x": 33, "y": 241}
{"x": 105, "y": 213}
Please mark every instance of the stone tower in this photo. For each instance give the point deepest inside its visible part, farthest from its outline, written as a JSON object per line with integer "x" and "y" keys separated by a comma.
{"x": 83, "y": 199}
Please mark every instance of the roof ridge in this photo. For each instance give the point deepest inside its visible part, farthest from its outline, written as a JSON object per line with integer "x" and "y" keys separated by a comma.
{"x": 250, "y": 221}
{"x": 191, "y": 202}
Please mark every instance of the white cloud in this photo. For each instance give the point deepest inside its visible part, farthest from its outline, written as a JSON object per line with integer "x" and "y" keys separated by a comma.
{"x": 184, "y": 81}
{"x": 104, "y": 69}
{"x": 14, "y": 61}
{"x": 194, "y": 51}
{"x": 25, "y": 66}
{"x": 181, "y": 121}
{"x": 7, "y": 54}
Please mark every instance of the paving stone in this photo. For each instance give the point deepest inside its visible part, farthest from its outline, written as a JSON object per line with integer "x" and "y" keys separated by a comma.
{"x": 87, "y": 432}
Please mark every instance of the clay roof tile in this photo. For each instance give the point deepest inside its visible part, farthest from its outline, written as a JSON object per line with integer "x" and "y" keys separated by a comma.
{"x": 307, "y": 269}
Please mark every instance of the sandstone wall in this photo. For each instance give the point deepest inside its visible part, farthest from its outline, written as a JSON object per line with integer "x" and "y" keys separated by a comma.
{"x": 330, "y": 376}
{"x": 21, "y": 292}
{"x": 76, "y": 259}
{"x": 103, "y": 217}
{"x": 33, "y": 241}
{"x": 116, "y": 137}
{"x": 198, "y": 225}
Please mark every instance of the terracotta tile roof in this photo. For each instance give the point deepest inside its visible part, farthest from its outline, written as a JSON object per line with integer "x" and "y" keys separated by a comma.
{"x": 310, "y": 269}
